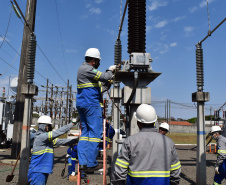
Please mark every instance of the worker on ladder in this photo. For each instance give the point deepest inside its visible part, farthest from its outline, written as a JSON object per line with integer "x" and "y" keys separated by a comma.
{"x": 88, "y": 100}
{"x": 147, "y": 157}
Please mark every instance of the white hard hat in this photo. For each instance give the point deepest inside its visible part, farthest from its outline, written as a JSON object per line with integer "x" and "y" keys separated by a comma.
{"x": 165, "y": 126}
{"x": 215, "y": 128}
{"x": 93, "y": 52}
{"x": 45, "y": 120}
{"x": 145, "y": 114}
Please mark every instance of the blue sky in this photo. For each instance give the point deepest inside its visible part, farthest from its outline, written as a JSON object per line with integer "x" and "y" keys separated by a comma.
{"x": 65, "y": 29}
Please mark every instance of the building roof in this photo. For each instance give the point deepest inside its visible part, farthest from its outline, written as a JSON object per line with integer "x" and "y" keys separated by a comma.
{"x": 184, "y": 123}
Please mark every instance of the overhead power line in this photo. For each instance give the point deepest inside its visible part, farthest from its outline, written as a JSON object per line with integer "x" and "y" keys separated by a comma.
{"x": 7, "y": 28}
{"x": 51, "y": 64}
{"x": 61, "y": 39}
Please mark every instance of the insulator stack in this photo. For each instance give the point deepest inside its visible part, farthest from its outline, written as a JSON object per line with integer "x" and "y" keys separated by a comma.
{"x": 118, "y": 52}
{"x": 137, "y": 26}
{"x": 31, "y": 59}
{"x": 199, "y": 66}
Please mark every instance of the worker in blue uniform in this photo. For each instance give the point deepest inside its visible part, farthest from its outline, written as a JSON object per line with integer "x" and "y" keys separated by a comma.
{"x": 110, "y": 132}
{"x": 88, "y": 100}
{"x": 220, "y": 166}
{"x": 42, "y": 157}
{"x": 72, "y": 156}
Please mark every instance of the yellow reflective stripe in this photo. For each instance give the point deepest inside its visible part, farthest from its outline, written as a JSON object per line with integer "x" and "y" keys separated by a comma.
{"x": 69, "y": 164}
{"x": 87, "y": 85}
{"x": 54, "y": 141}
{"x": 83, "y": 138}
{"x": 94, "y": 139}
{"x": 97, "y": 75}
{"x": 50, "y": 136}
{"x": 216, "y": 183}
{"x": 73, "y": 159}
{"x": 108, "y": 139}
{"x": 122, "y": 163}
{"x": 43, "y": 151}
{"x": 222, "y": 151}
{"x": 175, "y": 166}
{"x": 149, "y": 173}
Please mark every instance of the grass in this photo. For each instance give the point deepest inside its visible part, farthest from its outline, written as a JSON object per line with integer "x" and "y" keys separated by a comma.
{"x": 184, "y": 138}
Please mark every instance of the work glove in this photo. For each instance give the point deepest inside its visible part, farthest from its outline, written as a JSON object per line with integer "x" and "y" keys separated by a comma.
{"x": 73, "y": 173}
{"x": 217, "y": 170}
{"x": 112, "y": 68}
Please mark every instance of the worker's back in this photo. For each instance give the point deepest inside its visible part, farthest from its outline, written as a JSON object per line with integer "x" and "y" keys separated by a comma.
{"x": 149, "y": 158}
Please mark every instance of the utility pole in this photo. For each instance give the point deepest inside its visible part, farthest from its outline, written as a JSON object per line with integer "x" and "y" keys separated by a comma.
{"x": 67, "y": 103}
{"x": 46, "y": 96}
{"x": 201, "y": 97}
{"x": 20, "y": 98}
{"x": 169, "y": 116}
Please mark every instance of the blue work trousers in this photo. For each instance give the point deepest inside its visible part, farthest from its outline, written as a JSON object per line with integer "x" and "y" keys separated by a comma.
{"x": 35, "y": 178}
{"x": 69, "y": 166}
{"x": 92, "y": 128}
{"x": 218, "y": 178}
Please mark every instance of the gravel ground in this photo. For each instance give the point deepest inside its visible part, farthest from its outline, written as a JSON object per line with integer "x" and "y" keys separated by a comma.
{"x": 186, "y": 155}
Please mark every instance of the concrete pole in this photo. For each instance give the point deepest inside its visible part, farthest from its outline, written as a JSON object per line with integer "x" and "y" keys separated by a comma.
{"x": 25, "y": 142}
{"x": 20, "y": 98}
{"x": 116, "y": 124}
{"x": 201, "y": 146}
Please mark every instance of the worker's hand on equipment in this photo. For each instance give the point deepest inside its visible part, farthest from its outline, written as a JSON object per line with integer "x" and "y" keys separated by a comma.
{"x": 217, "y": 170}
{"x": 112, "y": 68}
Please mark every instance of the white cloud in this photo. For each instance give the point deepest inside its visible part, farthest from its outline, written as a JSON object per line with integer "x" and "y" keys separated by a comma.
{"x": 160, "y": 48}
{"x": 111, "y": 32}
{"x": 71, "y": 51}
{"x": 174, "y": 44}
{"x": 188, "y": 30}
{"x": 201, "y": 5}
{"x": 161, "y": 24}
{"x": 193, "y": 9}
{"x": 95, "y": 10}
{"x": 204, "y": 3}
{"x": 155, "y": 4}
{"x": 179, "y": 18}
{"x": 98, "y": 1}
{"x": 148, "y": 28}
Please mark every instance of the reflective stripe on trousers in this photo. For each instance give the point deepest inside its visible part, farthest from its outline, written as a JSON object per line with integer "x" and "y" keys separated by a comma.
{"x": 92, "y": 128}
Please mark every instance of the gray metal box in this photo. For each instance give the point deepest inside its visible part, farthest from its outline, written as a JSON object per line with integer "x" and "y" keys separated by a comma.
{"x": 142, "y": 95}
{"x": 200, "y": 96}
{"x": 29, "y": 89}
{"x": 115, "y": 93}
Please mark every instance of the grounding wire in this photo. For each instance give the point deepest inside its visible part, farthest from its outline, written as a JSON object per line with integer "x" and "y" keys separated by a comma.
{"x": 8, "y": 64}
{"x": 8, "y": 43}
{"x": 25, "y": 22}
{"x": 7, "y": 28}
{"x": 62, "y": 46}
{"x": 208, "y": 16}
{"x": 13, "y": 61}
{"x": 51, "y": 64}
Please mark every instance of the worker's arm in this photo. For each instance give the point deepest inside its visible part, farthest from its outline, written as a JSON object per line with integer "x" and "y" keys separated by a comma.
{"x": 221, "y": 153}
{"x": 122, "y": 164}
{"x": 99, "y": 76}
{"x": 50, "y": 136}
{"x": 175, "y": 168}
{"x": 58, "y": 142}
